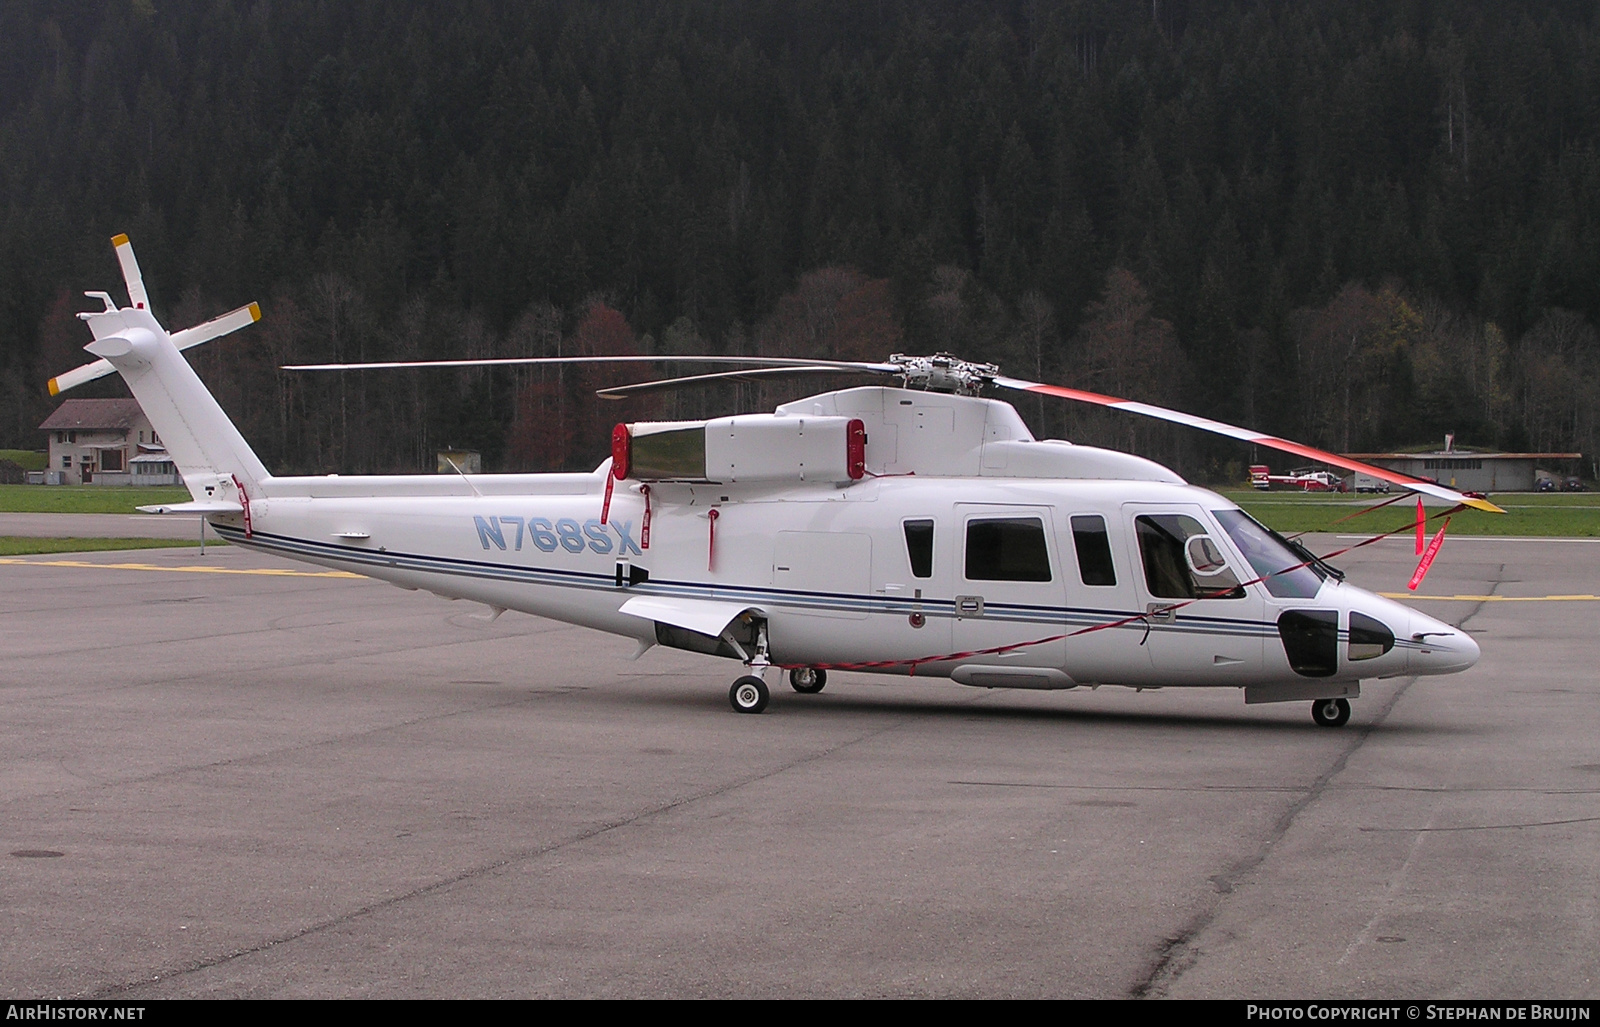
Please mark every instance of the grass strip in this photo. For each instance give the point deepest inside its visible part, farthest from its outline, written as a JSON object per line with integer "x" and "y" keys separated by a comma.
{"x": 27, "y": 459}
{"x": 117, "y": 499}
{"x": 1528, "y": 515}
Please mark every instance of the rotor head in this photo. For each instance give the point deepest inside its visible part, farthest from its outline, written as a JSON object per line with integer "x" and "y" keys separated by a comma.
{"x": 943, "y": 372}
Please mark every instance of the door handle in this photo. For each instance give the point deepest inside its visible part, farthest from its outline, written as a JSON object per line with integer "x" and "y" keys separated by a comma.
{"x": 969, "y": 606}
{"x": 1161, "y": 613}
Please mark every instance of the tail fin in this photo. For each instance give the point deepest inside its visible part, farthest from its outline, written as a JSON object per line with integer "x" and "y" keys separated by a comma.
{"x": 213, "y": 457}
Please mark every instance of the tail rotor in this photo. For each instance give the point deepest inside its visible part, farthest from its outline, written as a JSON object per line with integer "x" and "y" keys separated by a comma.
{"x": 217, "y": 327}
{"x": 216, "y": 462}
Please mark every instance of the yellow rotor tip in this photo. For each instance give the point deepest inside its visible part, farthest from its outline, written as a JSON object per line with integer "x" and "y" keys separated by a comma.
{"x": 119, "y": 240}
{"x": 255, "y": 312}
{"x": 55, "y": 390}
{"x": 1483, "y": 504}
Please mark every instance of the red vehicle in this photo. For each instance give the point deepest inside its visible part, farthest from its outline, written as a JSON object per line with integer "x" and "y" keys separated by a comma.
{"x": 1305, "y": 479}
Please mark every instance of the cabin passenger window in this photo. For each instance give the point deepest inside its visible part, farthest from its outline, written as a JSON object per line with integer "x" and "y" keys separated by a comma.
{"x": 1162, "y": 539}
{"x": 919, "y": 547}
{"x": 1094, "y": 550}
{"x": 1007, "y": 549}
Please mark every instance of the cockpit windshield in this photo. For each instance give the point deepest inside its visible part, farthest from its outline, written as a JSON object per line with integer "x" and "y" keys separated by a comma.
{"x": 1271, "y": 556}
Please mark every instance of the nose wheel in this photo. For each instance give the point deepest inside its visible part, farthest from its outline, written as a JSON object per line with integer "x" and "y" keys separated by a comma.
{"x": 749, "y": 695}
{"x": 807, "y": 680}
{"x": 1330, "y": 712}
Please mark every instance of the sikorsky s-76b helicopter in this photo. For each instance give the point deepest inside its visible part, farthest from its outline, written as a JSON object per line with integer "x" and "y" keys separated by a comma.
{"x": 915, "y": 528}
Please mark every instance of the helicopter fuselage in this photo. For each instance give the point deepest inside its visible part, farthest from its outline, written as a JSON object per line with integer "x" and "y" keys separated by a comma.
{"x": 887, "y": 574}
{"x": 875, "y": 528}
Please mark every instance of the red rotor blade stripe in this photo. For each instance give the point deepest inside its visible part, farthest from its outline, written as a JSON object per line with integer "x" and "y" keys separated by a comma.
{"x": 1247, "y": 435}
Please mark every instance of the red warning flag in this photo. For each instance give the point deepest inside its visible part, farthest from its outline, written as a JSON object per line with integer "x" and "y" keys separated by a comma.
{"x": 1427, "y": 558}
{"x": 1421, "y": 519}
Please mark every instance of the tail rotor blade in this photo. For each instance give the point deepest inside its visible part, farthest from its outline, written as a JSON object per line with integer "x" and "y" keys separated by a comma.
{"x": 130, "y": 272}
{"x": 217, "y": 327}
{"x": 81, "y": 375}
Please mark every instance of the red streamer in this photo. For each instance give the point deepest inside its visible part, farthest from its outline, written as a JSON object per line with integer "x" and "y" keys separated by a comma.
{"x": 244, "y": 501}
{"x": 1427, "y": 558}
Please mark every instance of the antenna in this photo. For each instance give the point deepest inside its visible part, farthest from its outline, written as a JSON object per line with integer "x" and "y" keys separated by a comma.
{"x": 458, "y": 470}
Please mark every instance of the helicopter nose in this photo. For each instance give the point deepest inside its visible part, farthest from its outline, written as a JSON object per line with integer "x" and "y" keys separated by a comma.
{"x": 1438, "y": 648}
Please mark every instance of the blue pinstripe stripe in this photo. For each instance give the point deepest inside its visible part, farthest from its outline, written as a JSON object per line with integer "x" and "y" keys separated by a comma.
{"x": 1017, "y": 613}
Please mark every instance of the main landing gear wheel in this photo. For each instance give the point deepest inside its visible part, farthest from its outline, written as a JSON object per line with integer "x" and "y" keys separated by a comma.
{"x": 1330, "y": 712}
{"x": 807, "y": 680}
{"x": 749, "y": 695}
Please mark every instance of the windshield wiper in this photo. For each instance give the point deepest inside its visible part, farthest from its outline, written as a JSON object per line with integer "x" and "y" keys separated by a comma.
{"x": 1312, "y": 558}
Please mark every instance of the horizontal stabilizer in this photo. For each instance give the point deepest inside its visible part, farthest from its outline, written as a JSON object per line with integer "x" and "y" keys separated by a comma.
{"x": 704, "y": 616}
{"x": 206, "y": 506}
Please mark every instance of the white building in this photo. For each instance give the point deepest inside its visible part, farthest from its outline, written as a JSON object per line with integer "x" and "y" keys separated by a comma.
{"x": 1474, "y": 472}
{"x": 105, "y": 442}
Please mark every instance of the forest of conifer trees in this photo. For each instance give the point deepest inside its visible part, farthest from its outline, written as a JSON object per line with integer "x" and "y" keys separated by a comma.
{"x": 1357, "y": 223}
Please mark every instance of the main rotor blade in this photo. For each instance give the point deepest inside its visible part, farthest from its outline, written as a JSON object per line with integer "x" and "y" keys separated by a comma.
{"x": 523, "y": 361}
{"x": 214, "y": 328}
{"x": 1247, "y": 435}
{"x": 752, "y": 374}
{"x": 130, "y": 272}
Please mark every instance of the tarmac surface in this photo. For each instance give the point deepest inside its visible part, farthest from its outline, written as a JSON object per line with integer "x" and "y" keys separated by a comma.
{"x": 220, "y": 779}
{"x": 59, "y": 525}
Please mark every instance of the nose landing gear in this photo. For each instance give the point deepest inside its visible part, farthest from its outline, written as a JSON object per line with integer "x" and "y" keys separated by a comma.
{"x": 749, "y": 695}
{"x": 1330, "y": 712}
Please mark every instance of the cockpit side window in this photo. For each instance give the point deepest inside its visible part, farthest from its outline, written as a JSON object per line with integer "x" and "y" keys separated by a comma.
{"x": 1167, "y": 572}
{"x": 919, "y": 547}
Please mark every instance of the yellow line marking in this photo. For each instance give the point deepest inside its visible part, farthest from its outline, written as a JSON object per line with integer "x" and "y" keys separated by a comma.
{"x": 269, "y": 571}
{"x": 1494, "y": 599}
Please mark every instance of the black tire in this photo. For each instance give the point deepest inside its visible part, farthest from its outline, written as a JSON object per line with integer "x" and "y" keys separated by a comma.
{"x": 1330, "y": 712}
{"x": 808, "y": 680}
{"x": 749, "y": 695}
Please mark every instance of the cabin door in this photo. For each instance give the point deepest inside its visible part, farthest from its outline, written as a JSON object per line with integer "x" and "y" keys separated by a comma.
{"x": 1101, "y": 568}
{"x": 1215, "y": 633}
{"x": 911, "y": 572}
{"x": 1008, "y": 584}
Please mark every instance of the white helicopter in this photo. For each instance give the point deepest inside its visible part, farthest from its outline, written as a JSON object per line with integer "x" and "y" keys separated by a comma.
{"x": 913, "y": 529}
